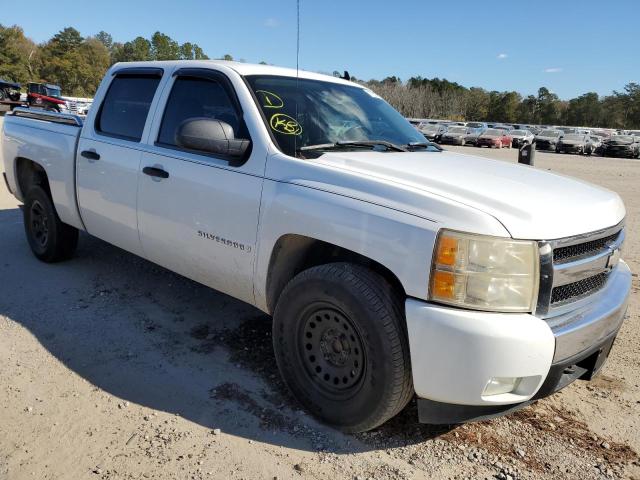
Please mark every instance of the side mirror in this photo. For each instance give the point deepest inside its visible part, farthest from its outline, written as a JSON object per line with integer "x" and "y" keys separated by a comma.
{"x": 211, "y": 136}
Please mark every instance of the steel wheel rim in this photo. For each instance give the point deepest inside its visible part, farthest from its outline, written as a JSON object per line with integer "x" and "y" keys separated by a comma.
{"x": 39, "y": 224}
{"x": 331, "y": 350}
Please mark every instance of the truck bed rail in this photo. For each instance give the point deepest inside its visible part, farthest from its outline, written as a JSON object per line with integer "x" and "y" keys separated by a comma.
{"x": 55, "y": 117}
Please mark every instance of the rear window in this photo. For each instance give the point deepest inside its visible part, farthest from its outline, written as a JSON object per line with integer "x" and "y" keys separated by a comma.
{"x": 126, "y": 105}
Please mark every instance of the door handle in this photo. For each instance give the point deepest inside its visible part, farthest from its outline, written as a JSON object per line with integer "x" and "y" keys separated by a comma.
{"x": 90, "y": 154}
{"x": 155, "y": 172}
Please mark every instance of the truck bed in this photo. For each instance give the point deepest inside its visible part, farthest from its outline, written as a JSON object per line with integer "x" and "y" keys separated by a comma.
{"x": 49, "y": 139}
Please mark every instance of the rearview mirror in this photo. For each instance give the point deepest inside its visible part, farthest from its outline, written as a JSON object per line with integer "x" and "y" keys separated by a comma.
{"x": 211, "y": 136}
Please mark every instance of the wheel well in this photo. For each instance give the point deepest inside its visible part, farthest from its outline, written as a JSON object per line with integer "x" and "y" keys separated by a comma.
{"x": 29, "y": 174}
{"x": 293, "y": 254}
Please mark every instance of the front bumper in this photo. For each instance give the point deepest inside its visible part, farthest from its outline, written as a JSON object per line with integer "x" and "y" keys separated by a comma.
{"x": 570, "y": 148}
{"x": 543, "y": 145}
{"x": 455, "y": 352}
{"x": 451, "y": 140}
{"x": 621, "y": 152}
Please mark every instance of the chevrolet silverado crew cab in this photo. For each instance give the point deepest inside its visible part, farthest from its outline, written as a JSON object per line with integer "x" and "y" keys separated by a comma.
{"x": 391, "y": 268}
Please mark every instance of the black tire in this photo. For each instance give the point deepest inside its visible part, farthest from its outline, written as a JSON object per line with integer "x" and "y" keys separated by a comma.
{"x": 341, "y": 346}
{"x": 50, "y": 239}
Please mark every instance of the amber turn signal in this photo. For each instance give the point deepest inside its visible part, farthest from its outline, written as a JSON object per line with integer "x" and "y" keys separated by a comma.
{"x": 443, "y": 284}
{"x": 447, "y": 249}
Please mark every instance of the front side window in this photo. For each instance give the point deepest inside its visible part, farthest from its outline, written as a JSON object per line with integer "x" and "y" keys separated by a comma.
{"x": 126, "y": 105}
{"x": 303, "y": 113}
{"x": 193, "y": 97}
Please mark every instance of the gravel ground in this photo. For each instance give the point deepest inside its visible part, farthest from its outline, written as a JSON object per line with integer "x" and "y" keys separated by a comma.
{"x": 114, "y": 368}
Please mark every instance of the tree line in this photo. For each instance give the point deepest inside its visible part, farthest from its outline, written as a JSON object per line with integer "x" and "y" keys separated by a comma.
{"x": 78, "y": 63}
{"x": 435, "y": 98}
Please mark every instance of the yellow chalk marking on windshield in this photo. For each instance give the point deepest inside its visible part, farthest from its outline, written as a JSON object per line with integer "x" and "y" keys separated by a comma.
{"x": 270, "y": 99}
{"x": 285, "y": 124}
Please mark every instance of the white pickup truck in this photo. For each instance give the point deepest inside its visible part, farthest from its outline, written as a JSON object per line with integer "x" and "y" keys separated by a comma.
{"x": 391, "y": 268}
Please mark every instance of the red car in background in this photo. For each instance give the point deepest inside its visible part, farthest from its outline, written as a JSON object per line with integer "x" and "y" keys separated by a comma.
{"x": 494, "y": 137}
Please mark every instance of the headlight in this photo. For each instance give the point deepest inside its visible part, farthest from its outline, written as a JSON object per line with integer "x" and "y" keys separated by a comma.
{"x": 484, "y": 273}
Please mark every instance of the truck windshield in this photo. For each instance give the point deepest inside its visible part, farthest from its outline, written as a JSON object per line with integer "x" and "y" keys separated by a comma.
{"x": 54, "y": 92}
{"x": 303, "y": 113}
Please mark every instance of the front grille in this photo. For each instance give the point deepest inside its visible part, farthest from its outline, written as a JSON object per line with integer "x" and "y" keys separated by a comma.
{"x": 563, "y": 254}
{"x": 582, "y": 260}
{"x": 578, "y": 289}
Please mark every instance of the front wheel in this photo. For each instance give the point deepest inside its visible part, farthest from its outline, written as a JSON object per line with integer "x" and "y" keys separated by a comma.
{"x": 50, "y": 239}
{"x": 341, "y": 346}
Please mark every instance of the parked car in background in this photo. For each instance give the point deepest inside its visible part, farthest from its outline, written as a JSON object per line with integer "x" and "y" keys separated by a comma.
{"x": 548, "y": 139}
{"x": 9, "y": 91}
{"x": 456, "y": 135}
{"x": 10, "y": 95}
{"x": 432, "y": 132}
{"x": 597, "y": 144}
{"x": 575, "y": 143}
{"x": 494, "y": 137}
{"x": 622, "y": 146}
{"x": 480, "y": 125}
{"x": 521, "y": 137}
{"x": 472, "y": 135}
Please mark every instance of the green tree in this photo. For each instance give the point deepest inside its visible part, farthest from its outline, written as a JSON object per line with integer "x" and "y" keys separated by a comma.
{"x": 164, "y": 47}
{"x": 187, "y": 51}
{"x": 19, "y": 56}
{"x": 75, "y": 63}
{"x": 547, "y": 107}
{"x": 584, "y": 110}
{"x": 65, "y": 41}
{"x": 106, "y": 39}
{"x": 198, "y": 53}
{"x": 477, "y": 104}
{"x": 137, "y": 50}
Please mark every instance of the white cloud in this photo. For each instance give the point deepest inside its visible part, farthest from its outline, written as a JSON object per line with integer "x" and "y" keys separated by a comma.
{"x": 552, "y": 70}
{"x": 271, "y": 23}
{"x": 502, "y": 56}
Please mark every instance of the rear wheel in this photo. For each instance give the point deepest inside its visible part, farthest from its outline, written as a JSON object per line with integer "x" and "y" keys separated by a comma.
{"x": 341, "y": 346}
{"x": 50, "y": 239}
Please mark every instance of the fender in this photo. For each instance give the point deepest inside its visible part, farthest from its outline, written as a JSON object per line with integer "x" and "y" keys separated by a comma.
{"x": 384, "y": 235}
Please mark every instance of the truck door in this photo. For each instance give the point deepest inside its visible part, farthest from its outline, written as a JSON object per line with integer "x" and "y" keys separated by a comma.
{"x": 109, "y": 155}
{"x": 198, "y": 212}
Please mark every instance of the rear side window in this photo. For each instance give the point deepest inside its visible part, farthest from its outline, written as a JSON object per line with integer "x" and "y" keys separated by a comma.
{"x": 126, "y": 105}
{"x": 193, "y": 97}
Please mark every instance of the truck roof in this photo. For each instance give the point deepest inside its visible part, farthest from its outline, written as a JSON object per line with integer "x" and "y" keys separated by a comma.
{"x": 240, "y": 67}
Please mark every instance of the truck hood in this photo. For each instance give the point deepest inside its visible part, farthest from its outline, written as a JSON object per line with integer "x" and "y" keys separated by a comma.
{"x": 529, "y": 202}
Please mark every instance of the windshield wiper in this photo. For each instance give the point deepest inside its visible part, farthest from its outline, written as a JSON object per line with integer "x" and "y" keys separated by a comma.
{"x": 423, "y": 145}
{"x": 355, "y": 143}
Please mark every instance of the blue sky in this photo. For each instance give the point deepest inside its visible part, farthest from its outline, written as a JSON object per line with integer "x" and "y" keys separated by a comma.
{"x": 569, "y": 46}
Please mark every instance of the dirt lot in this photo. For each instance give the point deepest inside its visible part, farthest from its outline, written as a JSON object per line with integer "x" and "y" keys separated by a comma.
{"x": 114, "y": 368}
